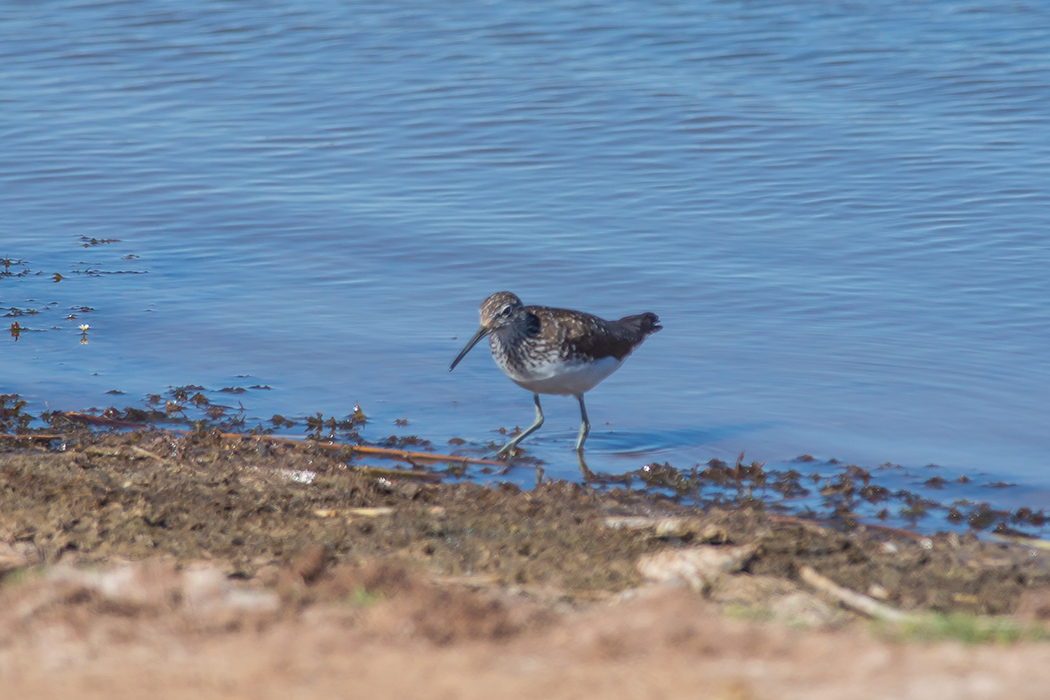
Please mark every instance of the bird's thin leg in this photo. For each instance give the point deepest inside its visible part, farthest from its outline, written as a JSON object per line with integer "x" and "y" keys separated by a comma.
{"x": 585, "y": 425}
{"x": 509, "y": 447}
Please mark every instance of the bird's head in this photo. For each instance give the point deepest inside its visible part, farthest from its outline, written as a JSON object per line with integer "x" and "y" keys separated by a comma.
{"x": 499, "y": 312}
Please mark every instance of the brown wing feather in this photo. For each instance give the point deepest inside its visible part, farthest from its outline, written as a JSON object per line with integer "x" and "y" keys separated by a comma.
{"x": 584, "y": 334}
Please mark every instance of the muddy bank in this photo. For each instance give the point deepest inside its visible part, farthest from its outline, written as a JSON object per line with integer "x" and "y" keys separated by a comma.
{"x": 199, "y": 565}
{"x": 256, "y": 505}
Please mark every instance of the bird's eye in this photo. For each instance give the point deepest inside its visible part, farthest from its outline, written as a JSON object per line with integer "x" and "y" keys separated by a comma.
{"x": 505, "y": 311}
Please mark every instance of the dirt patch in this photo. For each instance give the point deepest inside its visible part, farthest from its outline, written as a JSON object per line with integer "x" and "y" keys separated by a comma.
{"x": 254, "y": 504}
{"x": 228, "y": 561}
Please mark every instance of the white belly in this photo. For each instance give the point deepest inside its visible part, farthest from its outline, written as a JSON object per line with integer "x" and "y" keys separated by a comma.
{"x": 568, "y": 378}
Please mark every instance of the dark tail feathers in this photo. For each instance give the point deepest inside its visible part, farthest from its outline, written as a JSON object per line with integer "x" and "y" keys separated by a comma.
{"x": 641, "y": 325}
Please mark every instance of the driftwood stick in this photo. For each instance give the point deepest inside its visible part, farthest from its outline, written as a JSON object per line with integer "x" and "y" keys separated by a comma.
{"x": 334, "y": 447}
{"x": 852, "y": 599}
{"x": 42, "y": 437}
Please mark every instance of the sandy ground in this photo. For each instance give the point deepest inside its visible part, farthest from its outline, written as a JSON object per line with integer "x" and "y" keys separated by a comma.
{"x": 656, "y": 643}
{"x": 148, "y": 564}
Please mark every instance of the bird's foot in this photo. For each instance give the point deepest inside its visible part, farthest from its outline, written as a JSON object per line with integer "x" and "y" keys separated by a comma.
{"x": 507, "y": 451}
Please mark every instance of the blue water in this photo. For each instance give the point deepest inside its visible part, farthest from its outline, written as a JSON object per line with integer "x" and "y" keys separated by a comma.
{"x": 838, "y": 210}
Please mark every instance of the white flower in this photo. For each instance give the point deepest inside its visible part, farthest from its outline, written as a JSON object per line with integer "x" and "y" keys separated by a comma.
{"x": 84, "y": 327}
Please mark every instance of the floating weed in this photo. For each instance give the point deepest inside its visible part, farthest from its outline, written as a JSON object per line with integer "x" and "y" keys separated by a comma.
{"x": 215, "y": 412}
{"x": 983, "y": 516}
{"x": 874, "y": 493}
{"x": 357, "y": 417}
{"x": 280, "y": 421}
{"x": 721, "y": 473}
{"x": 7, "y": 263}
{"x": 915, "y": 507}
{"x": 841, "y": 486}
{"x": 403, "y": 442}
{"x": 846, "y": 496}
{"x": 317, "y": 425}
{"x": 788, "y": 485}
{"x": 18, "y": 268}
{"x": 858, "y": 474}
{"x": 182, "y": 393}
{"x": 89, "y": 242}
{"x": 15, "y": 313}
{"x": 667, "y": 477}
{"x": 138, "y": 415}
{"x": 12, "y": 417}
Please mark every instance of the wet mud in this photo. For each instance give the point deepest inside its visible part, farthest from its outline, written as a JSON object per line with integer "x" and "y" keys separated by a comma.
{"x": 256, "y": 505}
{"x": 209, "y": 563}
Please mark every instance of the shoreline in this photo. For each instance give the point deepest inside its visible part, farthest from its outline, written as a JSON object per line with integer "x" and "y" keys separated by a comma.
{"x": 117, "y": 530}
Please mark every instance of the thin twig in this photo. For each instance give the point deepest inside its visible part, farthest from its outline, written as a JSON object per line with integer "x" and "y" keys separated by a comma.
{"x": 334, "y": 447}
{"x": 852, "y": 599}
{"x": 34, "y": 436}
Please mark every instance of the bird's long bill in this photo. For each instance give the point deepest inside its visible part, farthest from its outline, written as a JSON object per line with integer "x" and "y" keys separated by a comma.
{"x": 482, "y": 332}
